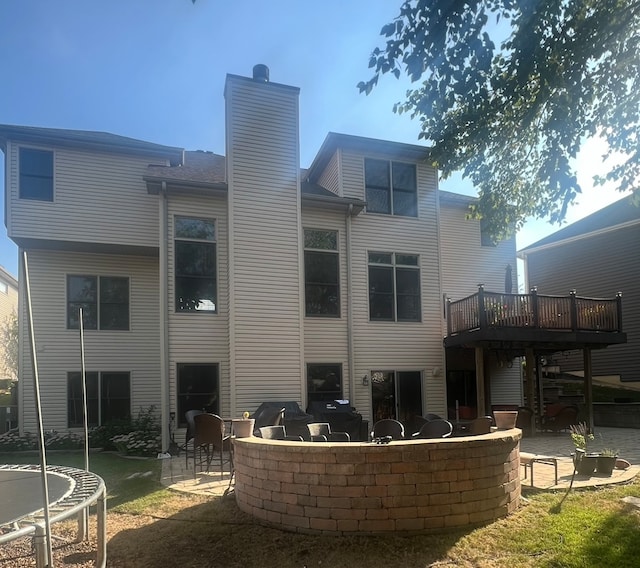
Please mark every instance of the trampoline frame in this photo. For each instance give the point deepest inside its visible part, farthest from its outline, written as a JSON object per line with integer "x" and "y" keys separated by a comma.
{"x": 88, "y": 488}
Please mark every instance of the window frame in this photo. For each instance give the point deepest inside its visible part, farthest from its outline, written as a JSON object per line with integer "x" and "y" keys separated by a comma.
{"x": 215, "y": 392}
{"x": 206, "y": 244}
{"x": 334, "y": 254}
{"x": 330, "y": 367}
{"x": 394, "y": 267}
{"x": 390, "y": 188}
{"x": 29, "y": 193}
{"x": 97, "y": 304}
{"x": 99, "y": 401}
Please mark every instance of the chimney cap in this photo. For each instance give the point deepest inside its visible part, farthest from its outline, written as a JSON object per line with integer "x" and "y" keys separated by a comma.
{"x": 261, "y": 73}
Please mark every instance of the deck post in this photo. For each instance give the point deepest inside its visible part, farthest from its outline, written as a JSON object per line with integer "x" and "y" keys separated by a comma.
{"x": 619, "y": 311}
{"x": 482, "y": 314}
{"x": 588, "y": 387}
{"x": 574, "y": 310}
{"x": 530, "y": 363}
{"x": 481, "y": 399}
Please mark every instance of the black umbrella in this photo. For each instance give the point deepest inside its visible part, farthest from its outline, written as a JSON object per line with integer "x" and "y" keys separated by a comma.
{"x": 508, "y": 281}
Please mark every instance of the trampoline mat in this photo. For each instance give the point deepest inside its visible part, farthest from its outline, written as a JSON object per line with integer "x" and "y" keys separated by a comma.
{"x": 21, "y": 492}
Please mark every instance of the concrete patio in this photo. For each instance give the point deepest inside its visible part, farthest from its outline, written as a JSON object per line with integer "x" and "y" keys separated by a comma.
{"x": 625, "y": 440}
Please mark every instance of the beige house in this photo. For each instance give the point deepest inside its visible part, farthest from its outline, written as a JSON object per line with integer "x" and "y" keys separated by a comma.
{"x": 222, "y": 282}
{"x": 8, "y": 306}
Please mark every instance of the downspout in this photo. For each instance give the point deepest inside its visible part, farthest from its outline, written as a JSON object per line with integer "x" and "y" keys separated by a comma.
{"x": 164, "y": 308}
{"x": 350, "y": 345}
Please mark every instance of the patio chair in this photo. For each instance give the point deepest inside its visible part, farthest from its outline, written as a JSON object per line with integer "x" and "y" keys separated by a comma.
{"x": 435, "y": 429}
{"x": 388, "y": 427}
{"x": 565, "y": 418}
{"x": 321, "y": 432}
{"x": 209, "y": 436}
{"x": 189, "y": 416}
{"x": 431, "y": 416}
{"x": 278, "y": 433}
{"x": 414, "y": 424}
{"x": 267, "y": 416}
{"x": 524, "y": 420}
{"x": 480, "y": 425}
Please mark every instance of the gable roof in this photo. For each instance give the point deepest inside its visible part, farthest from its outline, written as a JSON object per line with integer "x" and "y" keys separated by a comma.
{"x": 333, "y": 141}
{"x": 103, "y": 141}
{"x": 622, "y": 212}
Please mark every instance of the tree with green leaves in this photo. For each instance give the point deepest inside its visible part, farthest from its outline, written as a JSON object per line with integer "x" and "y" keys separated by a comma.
{"x": 9, "y": 338}
{"x": 507, "y": 91}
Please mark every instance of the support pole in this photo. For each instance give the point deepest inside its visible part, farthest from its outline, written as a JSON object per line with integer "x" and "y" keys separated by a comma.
{"x": 83, "y": 516}
{"x": 530, "y": 363}
{"x": 481, "y": 399}
{"x": 46, "y": 534}
{"x": 588, "y": 387}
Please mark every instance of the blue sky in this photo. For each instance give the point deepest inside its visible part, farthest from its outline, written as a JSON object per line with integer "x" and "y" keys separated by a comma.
{"x": 155, "y": 70}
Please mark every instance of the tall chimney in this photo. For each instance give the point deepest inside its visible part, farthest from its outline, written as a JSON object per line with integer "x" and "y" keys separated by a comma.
{"x": 261, "y": 73}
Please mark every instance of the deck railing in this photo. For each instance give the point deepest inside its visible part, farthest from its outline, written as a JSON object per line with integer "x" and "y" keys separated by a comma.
{"x": 566, "y": 313}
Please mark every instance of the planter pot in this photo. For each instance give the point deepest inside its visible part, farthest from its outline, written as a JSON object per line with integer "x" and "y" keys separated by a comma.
{"x": 585, "y": 464}
{"x": 505, "y": 419}
{"x": 243, "y": 427}
{"x": 606, "y": 464}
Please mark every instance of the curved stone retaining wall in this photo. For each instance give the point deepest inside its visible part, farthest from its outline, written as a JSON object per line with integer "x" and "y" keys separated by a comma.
{"x": 407, "y": 486}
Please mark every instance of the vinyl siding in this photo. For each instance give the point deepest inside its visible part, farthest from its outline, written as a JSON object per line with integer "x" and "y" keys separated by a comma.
{"x": 200, "y": 337}
{"x": 264, "y": 243}
{"x": 98, "y": 198}
{"x": 325, "y": 339}
{"x": 402, "y": 346}
{"x": 58, "y": 349}
{"x": 330, "y": 178}
{"x": 598, "y": 266}
{"x": 465, "y": 264}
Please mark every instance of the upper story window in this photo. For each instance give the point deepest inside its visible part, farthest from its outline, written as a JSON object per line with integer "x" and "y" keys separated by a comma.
{"x": 391, "y": 187}
{"x": 104, "y": 301}
{"x": 195, "y": 265}
{"x": 36, "y": 174}
{"x": 394, "y": 287}
{"x": 321, "y": 273}
{"x": 486, "y": 240}
{"x": 4, "y": 287}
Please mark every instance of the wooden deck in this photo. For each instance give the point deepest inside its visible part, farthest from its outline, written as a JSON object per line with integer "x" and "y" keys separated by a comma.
{"x": 522, "y": 320}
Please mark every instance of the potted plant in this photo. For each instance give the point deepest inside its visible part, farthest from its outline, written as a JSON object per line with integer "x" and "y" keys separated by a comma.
{"x": 584, "y": 463}
{"x": 607, "y": 461}
{"x": 243, "y": 427}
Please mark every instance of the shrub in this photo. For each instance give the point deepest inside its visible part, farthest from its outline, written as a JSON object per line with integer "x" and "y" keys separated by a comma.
{"x": 12, "y": 442}
{"x": 66, "y": 441}
{"x": 142, "y": 438}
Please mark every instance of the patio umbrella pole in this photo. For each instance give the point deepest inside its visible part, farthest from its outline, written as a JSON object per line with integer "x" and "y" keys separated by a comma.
{"x": 44, "y": 556}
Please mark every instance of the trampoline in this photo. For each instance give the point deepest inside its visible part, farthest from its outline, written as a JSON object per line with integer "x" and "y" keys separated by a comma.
{"x": 71, "y": 492}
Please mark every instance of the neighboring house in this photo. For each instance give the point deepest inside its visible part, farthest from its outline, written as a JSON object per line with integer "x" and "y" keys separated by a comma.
{"x": 222, "y": 282}
{"x": 598, "y": 256}
{"x": 8, "y": 306}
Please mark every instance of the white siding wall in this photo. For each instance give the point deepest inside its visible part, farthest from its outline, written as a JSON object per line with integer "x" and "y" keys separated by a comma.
{"x": 401, "y": 346}
{"x": 465, "y": 264}
{"x": 330, "y": 178}
{"x": 325, "y": 339}
{"x": 58, "y": 348}
{"x": 90, "y": 193}
{"x": 200, "y": 337}
{"x": 265, "y": 255}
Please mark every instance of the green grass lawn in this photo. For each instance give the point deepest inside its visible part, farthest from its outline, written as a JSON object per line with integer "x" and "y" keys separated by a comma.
{"x": 125, "y": 493}
{"x": 151, "y": 526}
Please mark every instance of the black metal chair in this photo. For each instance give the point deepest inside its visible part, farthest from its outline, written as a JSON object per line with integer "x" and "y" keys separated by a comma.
{"x": 278, "y": 433}
{"x": 209, "y": 436}
{"x": 189, "y": 416}
{"x": 435, "y": 429}
{"x": 321, "y": 432}
{"x": 481, "y": 425}
{"x": 388, "y": 427}
{"x": 267, "y": 416}
{"x": 431, "y": 416}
